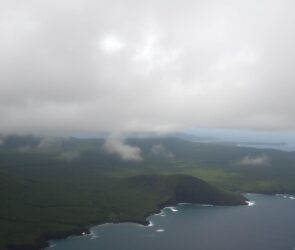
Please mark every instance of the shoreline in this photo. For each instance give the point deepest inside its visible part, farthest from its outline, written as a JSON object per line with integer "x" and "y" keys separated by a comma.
{"x": 44, "y": 241}
{"x": 145, "y": 222}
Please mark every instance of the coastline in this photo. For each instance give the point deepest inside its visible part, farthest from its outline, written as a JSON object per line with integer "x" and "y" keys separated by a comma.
{"x": 44, "y": 241}
{"x": 146, "y": 222}
{"x": 143, "y": 222}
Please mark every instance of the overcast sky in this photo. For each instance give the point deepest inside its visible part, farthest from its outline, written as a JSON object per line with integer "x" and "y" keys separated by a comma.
{"x": 82, "y": 66}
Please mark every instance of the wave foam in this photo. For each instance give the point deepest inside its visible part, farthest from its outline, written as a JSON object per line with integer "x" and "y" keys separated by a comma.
{"x": 184, "y": 203}
{"x": 173, "y": 209}
{"x": 159, "y": 214}
{"x": 151, "y": 224}
{"x": 250, "y": 203}
{"x": 160, "y": 230}
{"x": 93, "y": 237}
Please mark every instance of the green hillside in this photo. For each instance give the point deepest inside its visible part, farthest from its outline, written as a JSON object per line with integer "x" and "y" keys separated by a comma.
{"x": 33, "y": 211}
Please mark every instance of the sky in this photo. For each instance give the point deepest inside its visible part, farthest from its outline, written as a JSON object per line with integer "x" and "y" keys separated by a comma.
{"x": 85, "y": 66}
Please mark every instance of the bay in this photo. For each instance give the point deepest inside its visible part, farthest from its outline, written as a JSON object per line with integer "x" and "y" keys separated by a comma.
{"x": 268, "y": 223}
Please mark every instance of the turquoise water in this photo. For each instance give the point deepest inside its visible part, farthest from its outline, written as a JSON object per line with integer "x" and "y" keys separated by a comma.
{"x": 267, "y": 224}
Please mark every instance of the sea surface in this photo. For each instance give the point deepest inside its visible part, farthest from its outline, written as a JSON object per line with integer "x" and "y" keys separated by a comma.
{"x": 267, "y": 223}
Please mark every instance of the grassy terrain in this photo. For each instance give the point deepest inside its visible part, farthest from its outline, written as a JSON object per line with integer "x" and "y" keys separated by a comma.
{"x": 45, "y": 193}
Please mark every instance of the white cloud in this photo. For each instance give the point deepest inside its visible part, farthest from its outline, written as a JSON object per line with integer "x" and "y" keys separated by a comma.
{"x": 256, "y": 161}
{"x": 160, "y": 151}
{"x": 111, "y": 44}
{"x": 118, "y": 147}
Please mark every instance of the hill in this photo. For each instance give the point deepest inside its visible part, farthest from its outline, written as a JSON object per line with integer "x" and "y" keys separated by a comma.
{"x": 34, "y": 211}
{"x": 184, "y": 189}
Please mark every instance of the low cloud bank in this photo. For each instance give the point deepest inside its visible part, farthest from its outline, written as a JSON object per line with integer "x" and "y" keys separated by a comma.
{"x": 118, "y": 147}
{"x": 260, "y": 160}
{"x": 74, "y": 67}
{"x": 160, "y": 151}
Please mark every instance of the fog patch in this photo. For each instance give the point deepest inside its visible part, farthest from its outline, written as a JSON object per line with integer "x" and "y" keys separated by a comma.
{"x": 160, "y": 151}
{"x": 260, "y": 160}
{"x": 70, "y": 155}
{"x": 118, "y": 147}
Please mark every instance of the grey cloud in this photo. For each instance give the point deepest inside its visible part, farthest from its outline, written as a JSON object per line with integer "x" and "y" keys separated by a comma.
{"x": 85, "y": 66}
{"x": 118, "y": 147}
{"x": 256, "y": 161}
{"x": 160, "y": 151}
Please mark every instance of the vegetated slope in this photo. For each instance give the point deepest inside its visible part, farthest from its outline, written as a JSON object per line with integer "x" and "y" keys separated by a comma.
{"x": 34, "y": 211}
{"x": 176, "y": 189}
